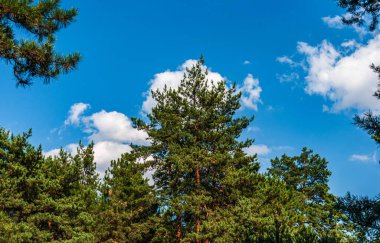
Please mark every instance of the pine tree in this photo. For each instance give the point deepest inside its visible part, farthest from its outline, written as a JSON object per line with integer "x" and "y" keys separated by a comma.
{"x": 45, "y": 199}
{"x": 308, "y": 174}
{"x": 129, "y": 204}
{"x": 67, "y": 204}
{"x": 34, "y": 56}
{"x": 370, "y": 122}
{"x": 200, "y": 169}
{"x": 358, "y": 11}
{"x": 20, "y": 164}
{"x": 365, "y": 213}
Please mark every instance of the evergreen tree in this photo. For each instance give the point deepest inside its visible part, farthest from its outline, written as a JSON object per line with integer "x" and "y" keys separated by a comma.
{"x": 358, "y": 11}
{"x": 34, "y": 56}
{"x": 200, "y": 169}
{"x": 308, "y": 174}
{"x": 270, "y": 214}
{"x": 370, "y": 122}
{"x": 20, "y": 165}
{"x": 129, "y": 203}
{"x": 45, "y": 199}
{"x": 67, "y": 204}
{"x": 365, "y": 213}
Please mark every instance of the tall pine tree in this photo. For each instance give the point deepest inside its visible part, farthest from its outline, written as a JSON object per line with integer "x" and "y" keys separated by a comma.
{"x": 129, "y": 204}
{"x": 200, "y": 169}
{"x": 308, "y": 174}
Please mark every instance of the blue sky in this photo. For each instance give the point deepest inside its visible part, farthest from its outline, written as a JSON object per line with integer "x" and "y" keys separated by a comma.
{"x": 303, "y": 74}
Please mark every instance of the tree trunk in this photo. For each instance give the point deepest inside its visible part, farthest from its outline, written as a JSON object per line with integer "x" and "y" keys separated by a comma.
{"x": 179, "y": 219}
{"x": 198, "y": 182}
{"x": 278, "y": 238}
{"x": 198, "y": 226}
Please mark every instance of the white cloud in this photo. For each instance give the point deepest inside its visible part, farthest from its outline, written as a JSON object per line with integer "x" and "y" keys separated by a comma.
{"x": 336, "y": 23}
{"x": 112, "y": 133}
{"x": 246, "y": 62}
{"x": 172, "y": 79}
{"x": 75, "y": 113}
{"x": 260, "y": 149}
{"x": 105, "y": 151}
{"x": 250, "y": 92}
{"x": 350, "y": 44}
{"x": 365, "y": 158}
{"x": 286, "y": 60}
{"x": 113, "y": 126}
{"x": 360, "y": 157}
{"x": 284, "y": 78}
{"x": 289, "y": 61}
{"x": 345, "y": 79}
{"x": 53, "y": 152}
{"x": 70, "y": 148}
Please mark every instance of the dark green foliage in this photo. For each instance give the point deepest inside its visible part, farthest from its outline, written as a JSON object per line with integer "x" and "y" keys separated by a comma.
{"x": 20, "y": 164}
{"x": 45, "y": 199}
{"x": 34, "y": 56}
{"x": 359, "y": 10}
{"x": 200, "y": 168}
{"x": 271, "y": 214}
{"x": 68, "y": 200}
{"x": 129, "y": 204}
{"x": 306, "y": 176}
{"x": 370, "y": 123}
{"x": 365, "y": 212}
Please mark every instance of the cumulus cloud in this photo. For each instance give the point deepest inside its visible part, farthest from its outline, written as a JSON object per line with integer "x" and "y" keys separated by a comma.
{"x": 75, "y": 112}
{"x": 70, "y": 148}
{"x": 343, "y": 78}
{"x": 105, "y": 151}
{"x": 172, "y": 79}
{"x": 250, "y": 92}
{"x": 246, "y": 62}
{"x": 112, "y": 133}
{"x": 260, "y": 149}
{"x": 113, "y": 126}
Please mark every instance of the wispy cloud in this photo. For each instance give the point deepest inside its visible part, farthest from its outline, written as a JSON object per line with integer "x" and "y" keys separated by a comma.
{"x": 364, "y": 158}
{"x": 336, "y": 22}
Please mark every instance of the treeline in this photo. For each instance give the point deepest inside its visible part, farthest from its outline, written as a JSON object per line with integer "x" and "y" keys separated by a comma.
{"x": 205, "y": 187}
